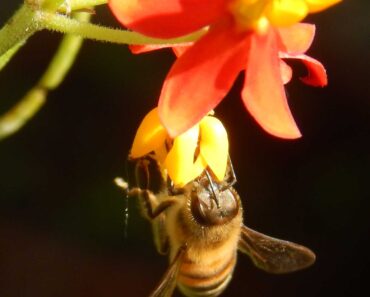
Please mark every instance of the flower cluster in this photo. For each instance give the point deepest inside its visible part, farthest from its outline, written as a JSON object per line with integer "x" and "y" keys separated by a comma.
{"x": 256, "y": 36}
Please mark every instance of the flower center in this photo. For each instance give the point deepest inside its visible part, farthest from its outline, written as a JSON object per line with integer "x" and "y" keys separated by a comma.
{"x": 248, "y": 14}
{"x": 257, "y": 14}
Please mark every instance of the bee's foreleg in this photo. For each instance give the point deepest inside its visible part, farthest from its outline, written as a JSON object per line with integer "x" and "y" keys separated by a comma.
{"x": 150, "y": 205}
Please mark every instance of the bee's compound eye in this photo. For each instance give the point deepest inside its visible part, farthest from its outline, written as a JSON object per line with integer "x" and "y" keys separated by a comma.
{"x": 206, "y": 212}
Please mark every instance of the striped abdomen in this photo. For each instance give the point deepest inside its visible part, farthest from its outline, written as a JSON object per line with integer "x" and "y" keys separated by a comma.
{"x": 206, "y": 275}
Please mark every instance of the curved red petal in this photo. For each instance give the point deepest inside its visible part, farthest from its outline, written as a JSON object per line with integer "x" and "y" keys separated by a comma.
{"x": 316, "y": 71}
{"x": 298, "y": 38}
{"x": 201, "y": 77}
{"x": 263, "y": 93}
{"x": 167, "y": 18}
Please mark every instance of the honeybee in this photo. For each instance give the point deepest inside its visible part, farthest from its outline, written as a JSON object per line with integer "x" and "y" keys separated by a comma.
{"x": 200, "y": 226}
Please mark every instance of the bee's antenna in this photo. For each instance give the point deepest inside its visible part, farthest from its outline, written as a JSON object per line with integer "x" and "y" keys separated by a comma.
{"x": 215, "y": 197}
{"x": 124, "y": 186}
{"x": 231, "y": 176}
{"x": 232, "y": 173}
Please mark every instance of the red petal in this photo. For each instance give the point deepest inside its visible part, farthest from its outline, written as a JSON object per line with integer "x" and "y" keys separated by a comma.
{"x": 297, "y": 38}
{"x": 145, "y": 48}
{"x": 263, "y": 93}
{"x": 316, "y": 71}
{"x": 178, "y": 49}
{"x": 201, "y": 77}
{"x": 167, "y": 18}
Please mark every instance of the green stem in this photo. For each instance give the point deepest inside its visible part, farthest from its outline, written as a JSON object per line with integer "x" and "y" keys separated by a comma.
{"x": 21, "y": 26}
{"x": 31, "y": 103}
{"x": 51, "y": 5}
{"x": 62, "y": 5}
{"x": 5, "y": 58}
{"x": 16, "y": 117}
{"x": 80, "y": 4}
{"x": 63, "y": 24}
{"x": 63, "y": 58}
{"x": 29, "y": 19}
{"x": 33, "y": 17}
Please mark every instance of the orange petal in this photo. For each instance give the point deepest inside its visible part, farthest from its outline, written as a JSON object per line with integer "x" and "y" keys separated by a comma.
{"x": 201, "y": 77}
{"x": 263, "y": 93}
{"x": 316, "y": 71}
{"x": 167, "y": 18}
{"x": 180, "y": 159}
{"x": 214, "y": 145}
{"x": 298, "y": 38}
{"x": 286, "y": 72}
{"x": 150, "y": 136}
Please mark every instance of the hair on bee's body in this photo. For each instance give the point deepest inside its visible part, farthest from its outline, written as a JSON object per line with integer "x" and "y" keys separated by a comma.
{"x": 210, "y": 255}
{"x": 200, "y": 226}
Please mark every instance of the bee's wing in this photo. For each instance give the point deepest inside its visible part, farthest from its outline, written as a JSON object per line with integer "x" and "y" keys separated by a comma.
{"x": 274, "y": 255}
{"x": 167, "y": 284}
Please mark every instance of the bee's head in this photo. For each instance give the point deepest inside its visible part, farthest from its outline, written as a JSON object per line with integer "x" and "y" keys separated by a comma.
{"x": 211, "y": 203}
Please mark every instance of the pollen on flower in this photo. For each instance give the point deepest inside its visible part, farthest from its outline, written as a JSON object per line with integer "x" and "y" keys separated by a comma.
{"x": 247, "y": 12}
{"x": 320, "y": 5}
{"x": 186, "y": 156}
{"x": 262, "y": 25}
{"x": 286, "y": 12}
{"x": 280, "y": 13}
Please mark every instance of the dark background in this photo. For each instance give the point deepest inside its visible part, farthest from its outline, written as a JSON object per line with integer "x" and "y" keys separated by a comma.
{"x": 61, "y": 217}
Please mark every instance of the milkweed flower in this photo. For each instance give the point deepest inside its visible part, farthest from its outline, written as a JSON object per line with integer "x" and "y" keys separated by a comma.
{"x": 184, "y": 157}
{"x": 250, "y": 35}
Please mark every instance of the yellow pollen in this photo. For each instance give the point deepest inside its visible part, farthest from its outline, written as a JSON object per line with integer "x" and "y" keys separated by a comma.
{"x": 253, "y": 14}
{"x": 247, "y": 13}
{"x": 262, "y": 25}
{"x": 204, "y": 145}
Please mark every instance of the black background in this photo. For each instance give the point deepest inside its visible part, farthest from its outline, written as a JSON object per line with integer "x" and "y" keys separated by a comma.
{"x": 61, "y": 217}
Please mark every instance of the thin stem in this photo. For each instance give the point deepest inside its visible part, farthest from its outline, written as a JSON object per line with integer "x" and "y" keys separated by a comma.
{"x": 33, "y": 17}
{"x": 79, "y": 4}
{"x": 31, "y": 103}
{"x": 5, "y": 58}
{"x": 63, "y": 58}
{"x": 19, "y": 114}
{"x": 64, "y": 24}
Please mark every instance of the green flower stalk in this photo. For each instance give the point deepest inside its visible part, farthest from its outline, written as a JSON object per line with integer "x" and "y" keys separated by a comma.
{"x": 54, "y": 15}
{"x": 59, "y": 66}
